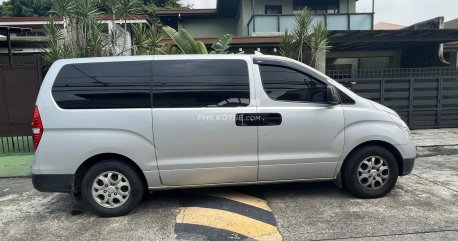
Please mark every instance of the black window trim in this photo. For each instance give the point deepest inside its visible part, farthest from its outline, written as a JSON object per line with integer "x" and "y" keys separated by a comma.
{"x": 291, "y": 65}
{"x": 296, "y": 67}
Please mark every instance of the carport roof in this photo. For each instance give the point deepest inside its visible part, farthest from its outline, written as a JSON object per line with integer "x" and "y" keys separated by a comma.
{"x": 390, "y": 39}
{"x": 6, "y": 29}
{"x": 361, "y": 39}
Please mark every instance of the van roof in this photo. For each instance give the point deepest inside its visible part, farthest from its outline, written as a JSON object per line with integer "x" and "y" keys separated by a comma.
{"x": 150, "y": 57}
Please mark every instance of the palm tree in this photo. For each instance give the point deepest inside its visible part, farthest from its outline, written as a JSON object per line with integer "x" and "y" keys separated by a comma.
{"x": 86, "y": 13}
{"x": 306, "y": 42}
{"x": 318, "y": 43}
{"x": 57, "y": 46}
{"x": 147, "y": 40}
{"x": 83, "y": 34}
{"x": 64, "y": 8}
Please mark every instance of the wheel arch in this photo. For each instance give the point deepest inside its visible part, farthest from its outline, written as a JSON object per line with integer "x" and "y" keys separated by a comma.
{"x": 87, "y": 164}
{"x": 391, "y": 148}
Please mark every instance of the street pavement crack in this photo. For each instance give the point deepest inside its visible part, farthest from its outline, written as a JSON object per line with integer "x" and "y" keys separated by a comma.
{"x": 389, "y": 235}
{"x": 451, "y": 189}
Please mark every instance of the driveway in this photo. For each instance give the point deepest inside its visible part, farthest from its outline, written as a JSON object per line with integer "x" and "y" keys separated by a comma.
{"x": 423, "y": 206}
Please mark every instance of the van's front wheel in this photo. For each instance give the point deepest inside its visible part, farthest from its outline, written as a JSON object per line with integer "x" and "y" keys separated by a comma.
{"x": 370, "y": 172}
{"x": 111, "y": 188}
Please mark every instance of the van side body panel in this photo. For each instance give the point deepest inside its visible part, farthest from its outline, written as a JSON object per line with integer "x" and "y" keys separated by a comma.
{"x": 202, "y": 146}
{"x": 72, "y": 136}
{"x": 363, "y": 123}
{"x": 308, "y": 143}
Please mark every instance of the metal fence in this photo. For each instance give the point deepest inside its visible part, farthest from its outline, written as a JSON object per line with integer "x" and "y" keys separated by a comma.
{"x": 16, "y": 144}
{"x": 424, "y": 97}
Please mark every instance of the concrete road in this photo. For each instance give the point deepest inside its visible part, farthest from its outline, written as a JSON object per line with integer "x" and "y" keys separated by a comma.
{"x": 423, "y": 206}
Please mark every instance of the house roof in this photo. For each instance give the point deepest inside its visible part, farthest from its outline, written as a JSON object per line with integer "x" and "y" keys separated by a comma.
{"x": 453, "y": 24}
{"x": 243, "y": 41}
{"x": 390, "y": 39}
{"x": 19, "y": 20}
{"x": 387, "y": 26}
{"x": 184, "y": 11}
{"x": 360, "y": 39}
{"x": 6, "y": 29}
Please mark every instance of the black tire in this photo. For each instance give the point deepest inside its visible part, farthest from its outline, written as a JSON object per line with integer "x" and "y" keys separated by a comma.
{"x": 350, "y": 172}
{"x": 136, "y": 188}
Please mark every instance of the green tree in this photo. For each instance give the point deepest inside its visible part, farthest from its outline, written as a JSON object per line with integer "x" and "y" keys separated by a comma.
{"x": 151, "y": 41}
{"x": 81, "y": 34}
{"x": 221, "y": 45}
{"x": 26, "y": 8}
{"x": 185, "y": 42}
{"x": 306, "y": 42}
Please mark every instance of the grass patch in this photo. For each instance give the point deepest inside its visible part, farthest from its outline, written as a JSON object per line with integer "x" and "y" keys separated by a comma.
{"x": 15, "y": 165}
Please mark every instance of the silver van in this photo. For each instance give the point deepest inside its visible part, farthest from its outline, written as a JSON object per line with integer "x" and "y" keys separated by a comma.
{"x": 108, "y": 129}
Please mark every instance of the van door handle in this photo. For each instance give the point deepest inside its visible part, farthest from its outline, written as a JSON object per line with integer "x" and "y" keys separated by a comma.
{"x": 258, "y": 119}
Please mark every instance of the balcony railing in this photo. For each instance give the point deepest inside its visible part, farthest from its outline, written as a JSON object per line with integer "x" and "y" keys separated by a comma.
{"x": 276, "y": 24}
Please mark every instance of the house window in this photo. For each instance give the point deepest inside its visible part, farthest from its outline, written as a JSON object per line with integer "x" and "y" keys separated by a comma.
{"x": 273, "y": 9}
{"x": 319, "y": 7}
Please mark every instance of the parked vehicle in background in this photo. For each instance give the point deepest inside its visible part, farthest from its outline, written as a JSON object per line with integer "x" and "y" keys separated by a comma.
{"x": 107, "y": 129}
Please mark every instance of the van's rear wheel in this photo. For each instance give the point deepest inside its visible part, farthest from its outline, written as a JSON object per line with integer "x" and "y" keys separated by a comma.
{"x": 370, "y": 172}
{"x": 111, "y": 188}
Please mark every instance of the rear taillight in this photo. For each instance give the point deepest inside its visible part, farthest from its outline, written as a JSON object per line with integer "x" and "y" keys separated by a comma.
{"x": 37, "y": 127}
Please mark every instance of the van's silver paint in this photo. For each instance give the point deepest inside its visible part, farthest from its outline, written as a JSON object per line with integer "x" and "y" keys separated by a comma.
{"x": 72, "y": 136}
{"x": 298, "y": 148}
{"x": 326, "y": 133}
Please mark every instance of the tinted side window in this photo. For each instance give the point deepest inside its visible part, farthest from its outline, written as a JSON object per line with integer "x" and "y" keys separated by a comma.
{"x": 104, "y": 85}
{"x": 200, "y": 83}
{"x": 285, "y": 84}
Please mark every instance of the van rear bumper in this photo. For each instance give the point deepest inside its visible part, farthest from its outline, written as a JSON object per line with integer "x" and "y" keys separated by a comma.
{"x": 53, "y": 182}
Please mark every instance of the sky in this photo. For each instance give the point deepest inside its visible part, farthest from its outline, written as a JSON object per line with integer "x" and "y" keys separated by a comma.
{"x": 403, "y": 12}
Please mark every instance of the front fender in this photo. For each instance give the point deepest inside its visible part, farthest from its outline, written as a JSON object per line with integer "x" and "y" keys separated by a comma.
{"x": 361, "y": 132}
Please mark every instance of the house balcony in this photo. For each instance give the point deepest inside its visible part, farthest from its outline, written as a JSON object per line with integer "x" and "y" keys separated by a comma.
{"x": 263, "y": 24}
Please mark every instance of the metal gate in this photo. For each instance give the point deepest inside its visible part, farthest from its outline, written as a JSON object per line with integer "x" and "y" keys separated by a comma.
{"x": 19, "y": 85}
{"x": 424, "y": 97}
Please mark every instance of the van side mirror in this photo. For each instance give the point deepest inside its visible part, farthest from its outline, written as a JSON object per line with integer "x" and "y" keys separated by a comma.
{"x": 332, "y": 95}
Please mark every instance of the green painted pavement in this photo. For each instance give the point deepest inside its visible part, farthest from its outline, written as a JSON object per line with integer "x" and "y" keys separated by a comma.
{"x": 15, "y": 165}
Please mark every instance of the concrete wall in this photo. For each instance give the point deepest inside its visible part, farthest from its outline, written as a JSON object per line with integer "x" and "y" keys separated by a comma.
{"x": 243, "y": 17}
{"x": 239, "y": 25}
{"x": 354, "y": 58}
{"x": 209, "y": 27}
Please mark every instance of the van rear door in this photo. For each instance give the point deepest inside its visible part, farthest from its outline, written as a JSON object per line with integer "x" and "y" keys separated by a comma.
{"x": 195, "y": 104}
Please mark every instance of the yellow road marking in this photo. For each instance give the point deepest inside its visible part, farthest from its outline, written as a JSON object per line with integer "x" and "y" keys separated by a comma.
{"x": 239, "y": 197}
{"x": 233, "y": 222}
